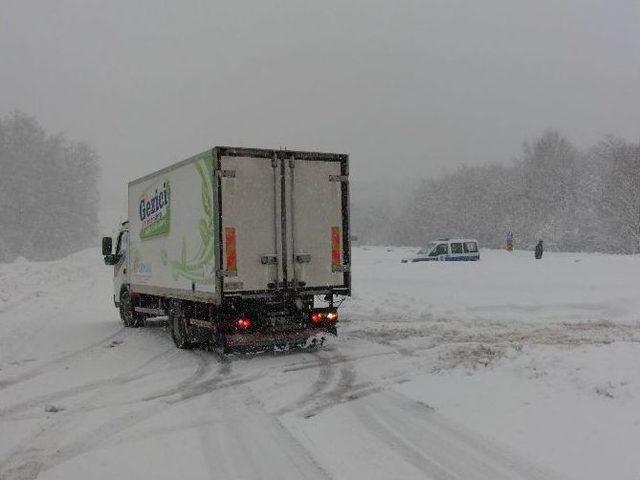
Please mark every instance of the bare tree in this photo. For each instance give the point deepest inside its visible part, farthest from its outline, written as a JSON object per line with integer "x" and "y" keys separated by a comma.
{"x": 48, "y": 192}
{"x": 620, "y": 194}
{"x": 573, "y": 200}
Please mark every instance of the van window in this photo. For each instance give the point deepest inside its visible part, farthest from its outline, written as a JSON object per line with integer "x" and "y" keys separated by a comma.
{"x": 470, "y": 247}
{"x": 430, "y": 247}
{"x": 441, "y": 249}
{"x": 456, "y": 248}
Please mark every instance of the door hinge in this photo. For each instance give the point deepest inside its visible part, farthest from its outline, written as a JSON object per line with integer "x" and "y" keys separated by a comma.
{"x": 226, "y": 273}
{"x": 226, "y": 173}
{"x": 341, "y": 268}
{"x": 339, "y": 178}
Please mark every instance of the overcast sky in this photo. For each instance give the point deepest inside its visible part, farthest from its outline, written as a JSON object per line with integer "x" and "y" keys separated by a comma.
{"x": 408, "y": 88}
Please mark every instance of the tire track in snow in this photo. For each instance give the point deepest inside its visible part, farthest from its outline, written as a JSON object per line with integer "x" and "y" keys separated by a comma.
{"x": 42, "y": 451}
{"x": 437, "y": 447}
{"x": 243, "y": 421}
{"x": 339, "y": 358}
{"x": 52, "y": 364}
{"x": 345, "y": 390}
{"x": 194, "y": 386}
{"x": 186, "y": 389}
{"x": 131, "y": 375}
{"x": 319, "y": 396}
{"x": 326, "y": 371}
{"x": 203, "y": 367}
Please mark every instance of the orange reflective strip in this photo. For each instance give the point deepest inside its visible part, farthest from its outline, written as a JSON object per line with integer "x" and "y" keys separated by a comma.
{"x": 336, "y": 257}
{"x": 230, "y": 242}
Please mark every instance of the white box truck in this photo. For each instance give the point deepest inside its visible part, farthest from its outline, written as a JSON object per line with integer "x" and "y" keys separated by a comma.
{"x": 239, "y": 247}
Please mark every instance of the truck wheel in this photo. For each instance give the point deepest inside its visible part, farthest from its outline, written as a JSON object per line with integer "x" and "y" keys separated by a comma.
{"x": 178, "y": 325}
{"x": 130, "y": 318}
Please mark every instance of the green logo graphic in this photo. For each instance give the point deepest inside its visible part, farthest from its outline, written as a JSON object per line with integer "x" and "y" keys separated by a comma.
{"x": 155, "y": 211}
{"x": 198, "y": 266}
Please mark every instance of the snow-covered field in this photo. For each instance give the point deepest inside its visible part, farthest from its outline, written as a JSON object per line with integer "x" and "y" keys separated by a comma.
{"x": 505, "y": 368}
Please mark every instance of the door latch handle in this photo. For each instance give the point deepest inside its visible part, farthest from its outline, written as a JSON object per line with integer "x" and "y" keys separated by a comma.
{"x": 226, "y": 173}
{"x": 269, "y": 259}
{"x": 303, "y": 258}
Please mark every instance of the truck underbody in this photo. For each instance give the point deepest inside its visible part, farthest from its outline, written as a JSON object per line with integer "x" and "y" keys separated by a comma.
{"x": 284, "y": 321}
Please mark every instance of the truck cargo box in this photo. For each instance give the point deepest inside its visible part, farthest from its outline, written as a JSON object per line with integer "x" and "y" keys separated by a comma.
{"x": 237, "y": 222}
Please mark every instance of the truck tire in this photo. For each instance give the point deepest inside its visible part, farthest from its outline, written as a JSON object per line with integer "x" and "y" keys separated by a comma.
{"x": 129, "y": 317}
{"x": 178, "y": 326}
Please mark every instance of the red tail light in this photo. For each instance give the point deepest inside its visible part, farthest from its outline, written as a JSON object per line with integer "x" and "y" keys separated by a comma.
{"x": 323, "y": 317}
{"x": 244, "y": 323}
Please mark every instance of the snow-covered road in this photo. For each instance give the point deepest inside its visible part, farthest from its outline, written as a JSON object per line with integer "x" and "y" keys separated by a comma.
{"x": 501, "y": 369}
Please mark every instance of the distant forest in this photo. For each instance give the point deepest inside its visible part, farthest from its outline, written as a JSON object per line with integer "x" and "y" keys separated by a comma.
{"x": 48, "y": 192}
{"x": 573, "y": 200}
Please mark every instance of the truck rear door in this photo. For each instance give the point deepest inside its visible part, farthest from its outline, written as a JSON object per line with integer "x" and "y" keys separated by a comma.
{"x": 318, "y": 201}
{"x": 249, "y": 199}
{"x": 283, "y": 221}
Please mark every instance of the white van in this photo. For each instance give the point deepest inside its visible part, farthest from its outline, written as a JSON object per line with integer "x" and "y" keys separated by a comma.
{"x": 447, "y": 250}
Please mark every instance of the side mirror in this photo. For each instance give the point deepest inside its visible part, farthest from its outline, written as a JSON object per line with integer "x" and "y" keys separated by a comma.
{"x": 107, "y": 246}
{"x": 110, "y": 259}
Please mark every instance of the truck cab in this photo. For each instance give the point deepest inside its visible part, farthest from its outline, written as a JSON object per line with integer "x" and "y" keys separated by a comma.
{"x": 119, "y": 260}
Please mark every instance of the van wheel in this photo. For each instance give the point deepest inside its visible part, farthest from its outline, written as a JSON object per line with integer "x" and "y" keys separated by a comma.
{"x": 178, "y": 325}
{"x": 129, "y": 317}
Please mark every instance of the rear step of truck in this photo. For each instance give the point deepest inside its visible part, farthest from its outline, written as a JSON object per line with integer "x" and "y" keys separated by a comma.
{"x": 265, "y": 340}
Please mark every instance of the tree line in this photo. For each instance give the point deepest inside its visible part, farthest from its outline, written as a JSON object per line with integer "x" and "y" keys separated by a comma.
{"x": 48, "y": 192}
{"x": 573, "y": 200}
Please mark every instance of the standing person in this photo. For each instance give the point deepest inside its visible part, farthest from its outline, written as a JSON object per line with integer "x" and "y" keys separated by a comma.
{"x": 539, "y": 250}
{"x": 509, "y": 241}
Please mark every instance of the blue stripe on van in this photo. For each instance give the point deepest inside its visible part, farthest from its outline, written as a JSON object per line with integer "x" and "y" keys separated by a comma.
{"x": 462, "y": 258}
{"x": 450, "y": 258}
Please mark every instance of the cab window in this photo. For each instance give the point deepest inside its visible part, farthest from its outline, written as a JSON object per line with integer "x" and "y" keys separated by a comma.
{"x": 470, "y": 247}
{"x": 441, "y": 249}
{"x": 456, "y": 248}
{"x": 121, "y": 247}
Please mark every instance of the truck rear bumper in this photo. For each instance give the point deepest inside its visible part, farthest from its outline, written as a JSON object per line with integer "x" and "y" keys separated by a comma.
{"x": 270, "y": 339}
